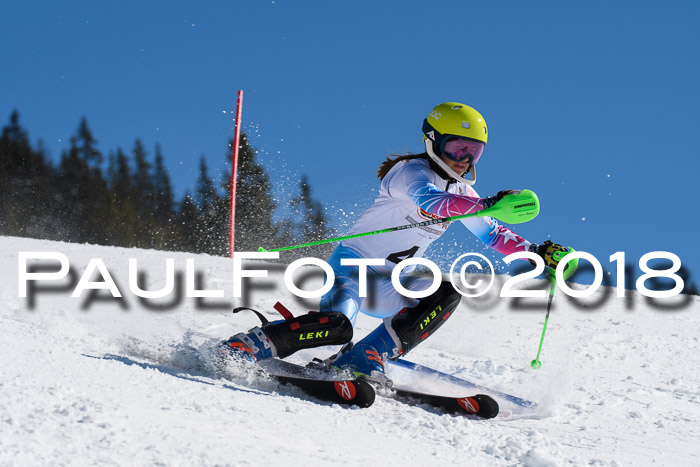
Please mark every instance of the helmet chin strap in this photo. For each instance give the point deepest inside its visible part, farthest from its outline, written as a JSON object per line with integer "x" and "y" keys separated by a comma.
{"x": 446, "y": 168}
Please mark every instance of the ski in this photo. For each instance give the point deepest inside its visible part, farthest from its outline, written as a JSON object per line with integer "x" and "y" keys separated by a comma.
{"x": 463, "y": 382}
{"x": 480, "y": 405}
{"x": 361, "y": 393}
{"x": 319, "y": 384}
{"x": 344, "y": 392}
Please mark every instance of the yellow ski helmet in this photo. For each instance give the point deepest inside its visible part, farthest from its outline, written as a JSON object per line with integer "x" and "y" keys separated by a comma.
{"x": 449, "y": 121}
{"x": 453, "y": 118}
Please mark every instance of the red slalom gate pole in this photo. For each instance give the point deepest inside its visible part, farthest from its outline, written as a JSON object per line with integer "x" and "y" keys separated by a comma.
{"x": 234, "y": 173}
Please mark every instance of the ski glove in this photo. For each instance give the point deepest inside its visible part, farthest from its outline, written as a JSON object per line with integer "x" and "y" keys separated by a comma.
{"x": 546, "y": 252}
{"x": 491, "y": 200}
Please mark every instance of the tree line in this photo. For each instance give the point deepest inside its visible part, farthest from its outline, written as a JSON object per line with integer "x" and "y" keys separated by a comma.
{"x": 127, "y": 199}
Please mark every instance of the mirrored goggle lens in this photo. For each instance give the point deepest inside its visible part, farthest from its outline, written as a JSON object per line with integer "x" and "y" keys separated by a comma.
{"x": 459, "y": 149}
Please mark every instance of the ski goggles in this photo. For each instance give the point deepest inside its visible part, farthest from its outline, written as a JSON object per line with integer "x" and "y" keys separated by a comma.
{"x": 458, "y": 148}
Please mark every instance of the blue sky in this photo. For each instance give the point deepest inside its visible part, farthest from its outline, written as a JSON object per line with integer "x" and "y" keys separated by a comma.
{"x": 591, "y": 105}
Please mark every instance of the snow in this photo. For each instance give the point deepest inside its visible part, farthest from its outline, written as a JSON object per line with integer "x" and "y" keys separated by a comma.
{"x": 94, "y": 381}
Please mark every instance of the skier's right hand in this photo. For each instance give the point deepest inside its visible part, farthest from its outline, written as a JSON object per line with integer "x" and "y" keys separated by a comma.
{"x": 491, "y": 200}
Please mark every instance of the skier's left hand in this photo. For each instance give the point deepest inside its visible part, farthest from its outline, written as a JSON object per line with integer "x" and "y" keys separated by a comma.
{"x": 546, "y": 251}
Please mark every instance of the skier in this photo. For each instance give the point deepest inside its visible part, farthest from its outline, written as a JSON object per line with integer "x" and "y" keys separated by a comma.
{"x": 414, "y": 187}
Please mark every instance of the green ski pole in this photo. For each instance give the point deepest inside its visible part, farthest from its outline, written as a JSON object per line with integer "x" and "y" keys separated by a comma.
{"x": 569, "y": 271}
{"x": 536, "y": 363}
{"x": 511, "y": 209}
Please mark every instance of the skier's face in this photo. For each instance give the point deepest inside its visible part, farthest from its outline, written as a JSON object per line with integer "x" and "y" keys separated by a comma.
{"x": 459, "y": 167}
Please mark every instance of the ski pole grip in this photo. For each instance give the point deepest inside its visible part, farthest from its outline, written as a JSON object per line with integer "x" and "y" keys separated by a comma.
{"x": 515, "y": 209}
{"x": 571, "y": 267}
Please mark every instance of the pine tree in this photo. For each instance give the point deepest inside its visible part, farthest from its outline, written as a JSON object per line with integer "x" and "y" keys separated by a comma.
{"x": 213, "y": 214}
{"x": 254, "y": 202}
{"x": 95, "y": 193}
{"x": 73, "y": 198}
{"x": 163, "y": 194}
{"x": 142, "y": 189}
{"x": 120, "y": 177}
{"x": 188, "y": 220}
{"x": 86, "y": 144}
{"x": 24, "y": 181}
{"x": 123, "y": 218}
{"x": 206, "y": 193}
{"x": 142, "y": 181}
{"x": 15, "y": 150}
{"x": 163, "y": 204}
{"x": 313, "y": 225}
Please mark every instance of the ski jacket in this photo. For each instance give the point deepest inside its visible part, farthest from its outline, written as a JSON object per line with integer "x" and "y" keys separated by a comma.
{"x": 413, "y": 192}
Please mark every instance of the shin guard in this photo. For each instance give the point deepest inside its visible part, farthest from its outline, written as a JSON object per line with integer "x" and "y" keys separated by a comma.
{"x": 308, "y": 331}
{"x": 413, "y": 325}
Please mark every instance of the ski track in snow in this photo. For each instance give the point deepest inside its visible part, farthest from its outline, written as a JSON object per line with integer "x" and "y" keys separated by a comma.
{"x": 101, "y": 384}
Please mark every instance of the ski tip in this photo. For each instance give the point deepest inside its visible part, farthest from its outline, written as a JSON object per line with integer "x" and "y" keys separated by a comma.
{"x": 480, "y": 405}
{"x": 355, "y": 392}
{"x": 344, "y": 392}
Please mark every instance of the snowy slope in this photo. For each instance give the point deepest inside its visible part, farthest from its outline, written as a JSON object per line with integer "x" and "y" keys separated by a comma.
{"x": 96, "y": 383}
